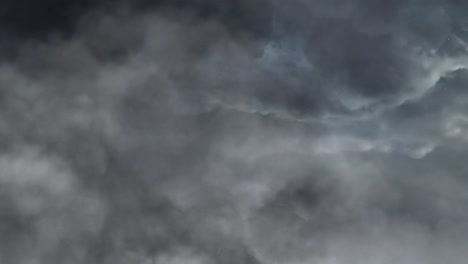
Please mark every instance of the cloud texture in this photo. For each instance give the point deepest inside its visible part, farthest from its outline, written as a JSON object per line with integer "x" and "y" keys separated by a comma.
{"x": 256, "y": 132}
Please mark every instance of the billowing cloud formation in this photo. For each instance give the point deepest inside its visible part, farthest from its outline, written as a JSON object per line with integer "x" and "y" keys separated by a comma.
{"x": 234, "y": 132}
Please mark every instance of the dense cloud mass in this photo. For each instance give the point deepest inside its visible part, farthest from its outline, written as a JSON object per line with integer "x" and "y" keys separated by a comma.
{"x": 233, "y": 131}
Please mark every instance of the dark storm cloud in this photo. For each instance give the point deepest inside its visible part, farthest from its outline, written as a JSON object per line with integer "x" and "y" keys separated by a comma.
{"x": 233, "y": 132}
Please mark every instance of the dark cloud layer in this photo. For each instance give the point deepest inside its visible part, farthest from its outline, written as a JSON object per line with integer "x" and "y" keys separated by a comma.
{"x": 180, "y": 132}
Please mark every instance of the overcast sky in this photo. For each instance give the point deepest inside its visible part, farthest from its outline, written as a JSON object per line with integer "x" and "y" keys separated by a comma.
{"x": 233, "y": 132}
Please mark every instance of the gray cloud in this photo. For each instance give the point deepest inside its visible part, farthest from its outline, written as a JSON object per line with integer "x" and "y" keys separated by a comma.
{"x": 236, "y": 132}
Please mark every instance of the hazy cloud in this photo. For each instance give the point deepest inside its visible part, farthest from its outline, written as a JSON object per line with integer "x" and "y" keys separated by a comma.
{"x": 233, "y": 132}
